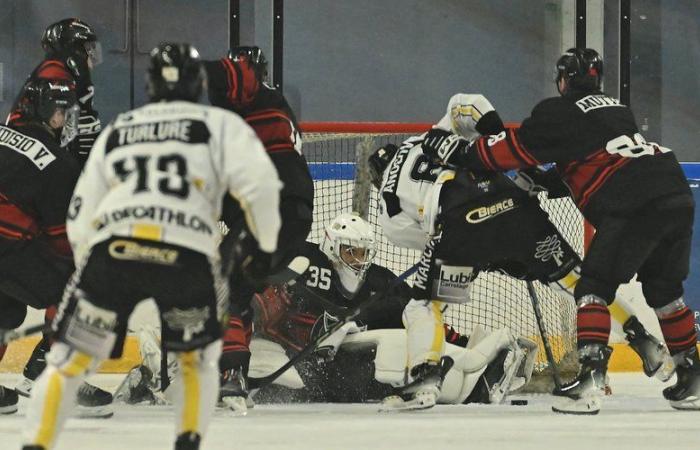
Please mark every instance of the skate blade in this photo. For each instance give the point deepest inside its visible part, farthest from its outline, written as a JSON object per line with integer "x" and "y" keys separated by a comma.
{"x": 237, "y": 405}
{"x": 395, "y": 403}
{"x": 588, "y": 406}
{"x": 5, "y": 410}
{"x": 688, "y": 404}
{"x": 94, "y": 412}
{"x": 24, "y": 387}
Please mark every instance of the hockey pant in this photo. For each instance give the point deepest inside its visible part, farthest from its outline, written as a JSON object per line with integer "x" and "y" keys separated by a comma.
{"x": 53, "y": 395}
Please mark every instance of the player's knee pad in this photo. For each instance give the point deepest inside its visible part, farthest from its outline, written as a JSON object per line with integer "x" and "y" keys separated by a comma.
{"x": 69, "y": 361}
{"x": 89, "y": 328}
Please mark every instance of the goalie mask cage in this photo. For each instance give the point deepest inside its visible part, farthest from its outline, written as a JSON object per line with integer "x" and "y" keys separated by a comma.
{"x": 337, "y": 155}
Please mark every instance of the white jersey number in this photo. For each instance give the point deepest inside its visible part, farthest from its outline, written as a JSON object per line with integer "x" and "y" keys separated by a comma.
{"x": 633, "y": 147}
{"x": 319, "y": 277}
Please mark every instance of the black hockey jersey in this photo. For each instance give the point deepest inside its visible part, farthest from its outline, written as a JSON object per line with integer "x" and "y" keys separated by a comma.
{"x": 37, "y": 178}
{"x": 288, "y": 315}
{"x": 599, "y": 153}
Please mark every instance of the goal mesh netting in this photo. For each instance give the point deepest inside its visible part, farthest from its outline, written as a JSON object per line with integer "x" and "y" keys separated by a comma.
{"x": 336, "y": 154}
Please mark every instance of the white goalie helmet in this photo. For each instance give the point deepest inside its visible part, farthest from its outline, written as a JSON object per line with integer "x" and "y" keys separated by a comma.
{"x": 348, "y": 243}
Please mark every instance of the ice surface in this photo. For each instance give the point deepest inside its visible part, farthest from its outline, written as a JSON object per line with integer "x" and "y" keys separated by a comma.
{"x": 635, "y": 417}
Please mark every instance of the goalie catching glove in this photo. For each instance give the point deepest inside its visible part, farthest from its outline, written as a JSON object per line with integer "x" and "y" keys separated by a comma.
{"x": 444, "y": 146}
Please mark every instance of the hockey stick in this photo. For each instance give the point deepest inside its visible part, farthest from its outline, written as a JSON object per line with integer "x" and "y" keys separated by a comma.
{"x": 543, "y": 334}
{"x": 12, "y": 335}
{"x": 256, "y": 383}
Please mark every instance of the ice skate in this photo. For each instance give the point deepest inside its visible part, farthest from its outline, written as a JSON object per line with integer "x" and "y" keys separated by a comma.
{"x": 234, "y": 392}
{"x": 584, "y": 394}
{"x": 423, "y": 392}
{"x": 8, "y": 401}
{"x": 656, "y": 360}
{"x": 685, "y": 394}
{"x": 188, "y": 441}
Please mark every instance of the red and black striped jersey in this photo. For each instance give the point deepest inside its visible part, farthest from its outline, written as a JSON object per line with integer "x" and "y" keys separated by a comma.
{"x": 37, "y": 178}
{"x": 598, "y": 151}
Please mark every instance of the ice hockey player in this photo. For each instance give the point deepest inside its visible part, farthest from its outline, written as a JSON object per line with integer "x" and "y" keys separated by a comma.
{"x": 72, "y": 51}
{"x": 142, "y": 223}
{"x": 635, "y": 195}
{"x": 341, "y": 276}
{"x": 478, "y": 212}
{"x": 36, "y": 183}
{"x": 237, "y": 82}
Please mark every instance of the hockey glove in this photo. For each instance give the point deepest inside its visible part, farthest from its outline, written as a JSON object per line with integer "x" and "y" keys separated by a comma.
{"x": 89, "y": 127}
{"x": 539, "y": 179}
{"x": 253, "y": 263}
{"x": 443, "y": 146}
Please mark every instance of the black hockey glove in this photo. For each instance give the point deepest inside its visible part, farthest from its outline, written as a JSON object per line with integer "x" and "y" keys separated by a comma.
{"x": 444, "y": 146}
{"x": 253, "y": 263}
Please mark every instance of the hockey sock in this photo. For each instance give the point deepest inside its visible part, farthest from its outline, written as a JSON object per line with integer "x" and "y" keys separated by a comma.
{"x": 619, "y": 312}
{"x": 197, "y": 389}
{"x": 678, "y": 326}
{"x": 592, "y": 321}
{"x": 53, "y": 395}
{"x": 37, "y": 361}
{"x": 425, "y": 332}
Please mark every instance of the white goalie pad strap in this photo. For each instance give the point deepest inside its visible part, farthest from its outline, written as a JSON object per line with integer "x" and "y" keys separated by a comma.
{"x": 266, "y": 357}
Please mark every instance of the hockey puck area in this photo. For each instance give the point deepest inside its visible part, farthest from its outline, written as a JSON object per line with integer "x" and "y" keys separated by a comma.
{"x": 518, "y": 402}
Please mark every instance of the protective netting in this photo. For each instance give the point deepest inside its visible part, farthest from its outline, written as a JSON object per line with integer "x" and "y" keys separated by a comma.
{"x": 497, "y": 301}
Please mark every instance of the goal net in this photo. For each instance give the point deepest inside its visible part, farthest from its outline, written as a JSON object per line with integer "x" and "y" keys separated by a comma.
{"x": 337, "y": 153}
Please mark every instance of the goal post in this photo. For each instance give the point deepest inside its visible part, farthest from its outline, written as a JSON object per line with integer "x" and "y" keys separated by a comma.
{"x": 336, "y": 152}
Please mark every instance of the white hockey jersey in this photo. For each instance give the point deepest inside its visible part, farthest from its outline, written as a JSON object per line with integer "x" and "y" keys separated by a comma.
{"x": 160, "y": 172}
{"x": 411, "y": 184}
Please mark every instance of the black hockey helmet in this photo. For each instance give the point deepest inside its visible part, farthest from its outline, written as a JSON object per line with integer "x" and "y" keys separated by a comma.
{"x": 72, "y": 38}
{"x": 379, "y": 161}
{"x": 44, "y": 97}
{"x": 175, "y": 73}
{"x": 581, "y": 68}
{"x": 255, "y": 57}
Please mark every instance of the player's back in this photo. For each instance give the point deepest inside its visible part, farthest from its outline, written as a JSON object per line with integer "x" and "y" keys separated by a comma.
{"x": 605, "y": 158}
{"x": 166, "y": 167}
